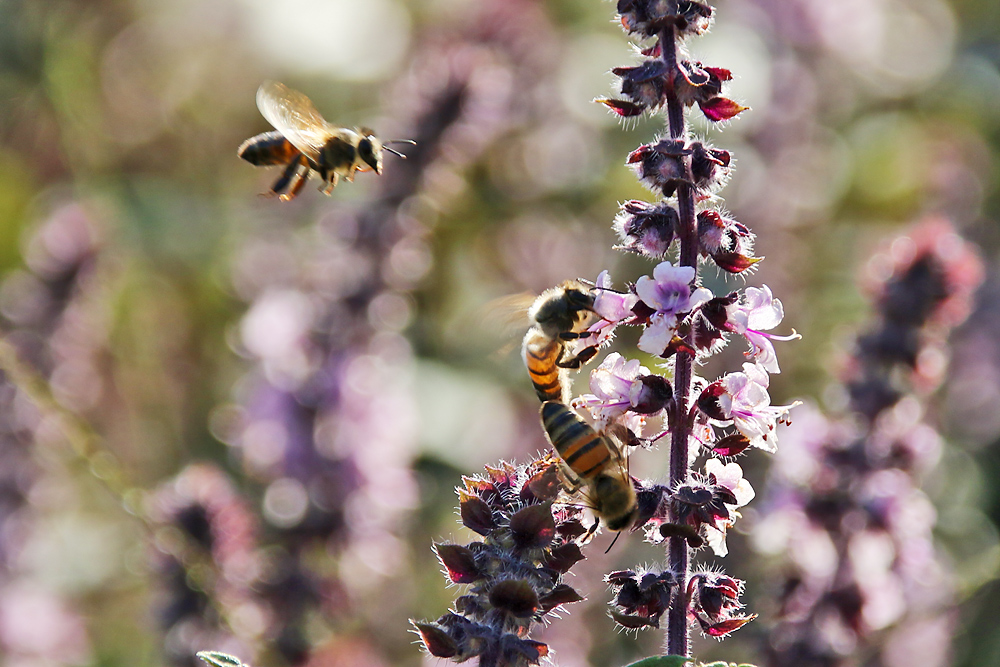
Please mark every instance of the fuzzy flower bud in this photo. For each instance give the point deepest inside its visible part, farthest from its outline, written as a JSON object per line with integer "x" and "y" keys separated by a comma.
{"x": 514, "y": 573}
{"x": 660, "y": 165}
{"x": 647, "y": 17}
{"x": 727, "y": 242}
{"x": 709, "y": 167}
{"x": 714, "y": 601}
{"x": 700, "y": 85}
{"x": 641, "y": 598}
{"x": 646, "y": 229}
{"x": 645, "y": 85}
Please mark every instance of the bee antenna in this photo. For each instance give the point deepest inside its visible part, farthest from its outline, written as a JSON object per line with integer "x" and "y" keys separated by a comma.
{"x": 384, "y": 147}
{"x": 617, "y": 535}
{"x": 400, "y": 141}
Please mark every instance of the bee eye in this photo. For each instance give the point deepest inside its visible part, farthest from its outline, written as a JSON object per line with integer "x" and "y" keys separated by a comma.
{"x": 365, "y": 149}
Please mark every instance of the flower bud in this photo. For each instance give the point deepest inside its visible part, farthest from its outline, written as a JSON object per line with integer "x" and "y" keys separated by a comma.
{"x": 645, "y": 84}
{"x": 650, "y": 394}
{"x": 648, "y": 17}
{"x": 646, "y": 229}
{"x": 714, "y": 601}
{"x": 708, "y": 401}
{"x": 643, "y": 598}
{"x": 709, "y": 167}
{"x": 660, "y": 165}
{"x": 700, "y": 85}
{"x": 728, "y": 242}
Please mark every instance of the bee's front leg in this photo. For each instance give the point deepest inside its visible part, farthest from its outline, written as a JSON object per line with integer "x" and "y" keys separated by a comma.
{"x": 573, "y": 362}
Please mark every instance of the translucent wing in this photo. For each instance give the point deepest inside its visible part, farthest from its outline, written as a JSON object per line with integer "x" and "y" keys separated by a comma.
{"x": 293, "y": 114}
{"x": 500, "y": 323}
{"x": 507, "y": 315}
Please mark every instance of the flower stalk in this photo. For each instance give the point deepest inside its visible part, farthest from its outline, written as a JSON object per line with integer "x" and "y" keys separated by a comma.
{"x": 678, "y": 549}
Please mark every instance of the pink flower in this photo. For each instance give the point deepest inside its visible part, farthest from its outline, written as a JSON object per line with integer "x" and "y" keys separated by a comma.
{"x": 669, "y": 294}
{"x": 729, "y": 476}
{"x": 612, "y": 306}
{"x": 757, "y": 312}
{"x": 616, "y": 384}
{"x": 746, "y": 402}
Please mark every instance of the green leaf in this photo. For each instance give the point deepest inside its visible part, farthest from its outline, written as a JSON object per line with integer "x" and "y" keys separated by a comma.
{"x": 662, "y": 661}
{"x": 219, "y": 659}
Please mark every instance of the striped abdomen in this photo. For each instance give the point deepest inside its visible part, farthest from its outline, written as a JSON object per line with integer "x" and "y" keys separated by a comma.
{"x": 540, "y": 355}
{"x": 268, "y": 148}
{"x": 581, "y": 448}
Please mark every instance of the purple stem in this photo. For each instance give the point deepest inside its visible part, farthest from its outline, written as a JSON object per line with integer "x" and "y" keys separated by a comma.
{"x": 678, "y": 555}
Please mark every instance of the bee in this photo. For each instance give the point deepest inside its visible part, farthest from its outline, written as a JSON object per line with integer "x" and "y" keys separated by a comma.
{"x": 592, "y": 461}
{"x": 305, "y": 142}
{"x": 559, "y": 314}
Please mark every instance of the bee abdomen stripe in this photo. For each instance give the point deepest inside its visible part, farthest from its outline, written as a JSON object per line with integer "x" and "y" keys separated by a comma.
{"x": 579, "y": 445}
{"x": 586, "y": 457}
{"x": 551, "y": 392}
{"x": 548, "y": 387}
{"x": 542, "y": 369}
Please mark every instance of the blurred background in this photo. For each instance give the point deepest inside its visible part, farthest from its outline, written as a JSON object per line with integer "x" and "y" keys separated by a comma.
{"x": 234, "y": 423}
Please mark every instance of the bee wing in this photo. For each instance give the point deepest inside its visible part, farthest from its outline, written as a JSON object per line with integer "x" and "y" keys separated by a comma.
{"x": 501, "y": 322}
{"x": 620, "y": 439}
{"x": 293, "y": 114}
{"x": 508, "y": 314}
{"x": 571, "y": 482}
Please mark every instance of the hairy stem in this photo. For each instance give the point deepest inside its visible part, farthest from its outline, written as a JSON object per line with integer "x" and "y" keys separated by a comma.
{"x": 678, "y": 554}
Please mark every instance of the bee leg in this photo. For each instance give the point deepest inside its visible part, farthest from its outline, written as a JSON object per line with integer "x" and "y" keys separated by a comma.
{"x": 573, "y": 335}
{"x": 571, "y": 483}
{"x": 334, "y": 179}
{"x": 574, "y": 362}
{"x": 289, "y": 175}
{"x": 298, "y": 182}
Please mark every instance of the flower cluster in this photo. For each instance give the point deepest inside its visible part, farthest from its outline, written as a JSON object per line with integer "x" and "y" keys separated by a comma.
{"x": 683, "y": 322}
{"x": 514, "y": 573}
{"x": 631, "y": 407}
{"x": 207, "y": 560}
{"x": 43, "y": 305}
{"x": 846, "y": 503}
{"x": 648, "y": 86}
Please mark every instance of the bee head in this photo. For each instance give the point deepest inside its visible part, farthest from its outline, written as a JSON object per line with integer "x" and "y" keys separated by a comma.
{"x": 370, "y": 150}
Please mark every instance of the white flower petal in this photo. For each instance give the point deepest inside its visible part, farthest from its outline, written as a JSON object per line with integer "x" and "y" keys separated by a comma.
{"x": 657, "y": 335}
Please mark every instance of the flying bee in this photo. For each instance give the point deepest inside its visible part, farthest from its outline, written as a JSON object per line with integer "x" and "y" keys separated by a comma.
{"x": 305, "y": 142}
{"x": 592, "y": 461}
{"x": 559, "y": 315}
